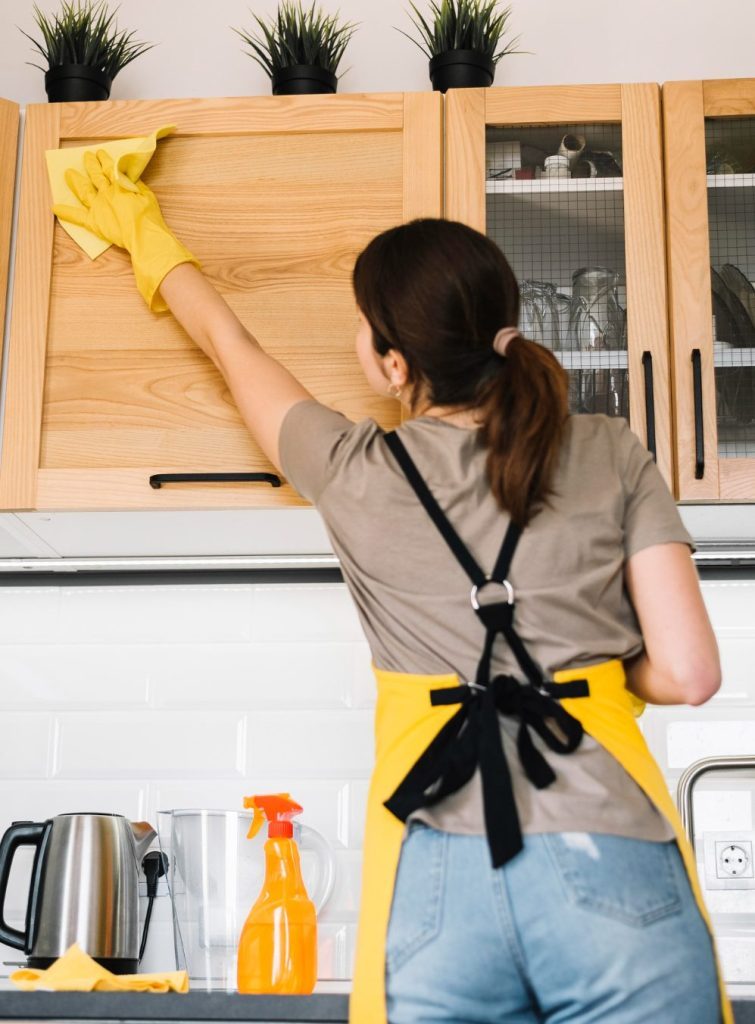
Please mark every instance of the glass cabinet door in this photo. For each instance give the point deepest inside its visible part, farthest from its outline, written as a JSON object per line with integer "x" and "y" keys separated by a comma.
{"x": 710, "y": 147}
{"x": 568, "y": 183}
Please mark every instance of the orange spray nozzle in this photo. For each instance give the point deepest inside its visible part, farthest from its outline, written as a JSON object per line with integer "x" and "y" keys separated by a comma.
{"x": 279, "y": 810}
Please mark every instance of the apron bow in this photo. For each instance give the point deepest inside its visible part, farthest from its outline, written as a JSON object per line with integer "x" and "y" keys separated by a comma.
{"x": 472, "y": 738}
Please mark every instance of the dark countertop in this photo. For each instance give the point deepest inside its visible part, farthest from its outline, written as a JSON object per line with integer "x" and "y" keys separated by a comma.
{"x": 147, "y": 1008}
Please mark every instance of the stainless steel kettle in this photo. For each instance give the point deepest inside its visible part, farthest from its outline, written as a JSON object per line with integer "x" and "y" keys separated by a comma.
{"x": 84, "y": 888}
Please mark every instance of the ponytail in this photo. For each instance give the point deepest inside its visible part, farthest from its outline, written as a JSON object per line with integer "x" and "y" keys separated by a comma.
{"x": 438, "y": 291}
{"x": 525, "y": 407}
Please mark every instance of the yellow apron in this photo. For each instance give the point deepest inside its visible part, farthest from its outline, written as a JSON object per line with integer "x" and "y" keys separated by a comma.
{"x": 405, "y": 724}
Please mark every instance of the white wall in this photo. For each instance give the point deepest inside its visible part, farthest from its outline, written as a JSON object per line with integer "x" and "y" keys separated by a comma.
{"x": 582, "y": 41}
{"x": 135, "y": 699}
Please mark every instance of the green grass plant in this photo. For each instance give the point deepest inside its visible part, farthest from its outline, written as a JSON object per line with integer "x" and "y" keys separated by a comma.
{"x": 295, "y": 36}
{"x": 479, "y": 25}
{"x": 85, "y": 32}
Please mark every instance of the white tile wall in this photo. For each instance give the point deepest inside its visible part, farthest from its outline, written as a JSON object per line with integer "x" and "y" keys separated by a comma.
{"x": 140, "y": 698}
{"x": 136, "y": 699}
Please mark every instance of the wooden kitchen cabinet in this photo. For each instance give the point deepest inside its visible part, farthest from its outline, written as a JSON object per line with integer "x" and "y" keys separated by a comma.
{"x": 710, "y": 207}
{"x": 276, "y": 196}
{"x": 588, "y": 248}
{"x": 8, "y": 146}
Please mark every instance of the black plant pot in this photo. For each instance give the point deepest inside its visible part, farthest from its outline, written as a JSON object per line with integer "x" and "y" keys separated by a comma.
{"x": 67, "y": 83}
{"x": 461, "y": 69}
{"x": 301, "y": 79}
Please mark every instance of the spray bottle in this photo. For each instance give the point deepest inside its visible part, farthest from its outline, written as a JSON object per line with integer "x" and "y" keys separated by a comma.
{"x": 278, "y": 943}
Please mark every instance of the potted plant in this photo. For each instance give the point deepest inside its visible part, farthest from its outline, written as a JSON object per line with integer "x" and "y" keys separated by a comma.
{"x": 299, "y": 49}
{"x": 462, "y": 39}
{"x": 83, "y": 48}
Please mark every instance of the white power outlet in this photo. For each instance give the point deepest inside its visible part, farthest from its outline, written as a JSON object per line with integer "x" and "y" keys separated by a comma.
{"x": 728, "y": 860}
{"x": 734, "y": 860}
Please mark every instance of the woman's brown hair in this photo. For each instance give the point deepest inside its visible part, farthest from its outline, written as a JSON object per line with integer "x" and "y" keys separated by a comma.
{"x": 438, "y": 292}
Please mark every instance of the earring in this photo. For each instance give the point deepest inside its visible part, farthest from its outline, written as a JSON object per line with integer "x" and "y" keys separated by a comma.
{"x": 394, "y": 391}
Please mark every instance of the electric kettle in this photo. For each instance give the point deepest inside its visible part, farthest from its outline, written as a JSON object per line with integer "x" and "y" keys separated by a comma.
{"x": 84, "y": 888}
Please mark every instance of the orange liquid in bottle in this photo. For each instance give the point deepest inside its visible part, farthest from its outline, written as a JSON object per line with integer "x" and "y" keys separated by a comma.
{"x": 278, "y": 943}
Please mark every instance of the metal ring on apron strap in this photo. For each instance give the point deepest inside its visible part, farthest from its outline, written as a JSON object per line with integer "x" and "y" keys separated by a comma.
{"x": 489, "y": 579}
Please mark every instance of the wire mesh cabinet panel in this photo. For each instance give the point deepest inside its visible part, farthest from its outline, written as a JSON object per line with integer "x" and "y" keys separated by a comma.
{"x": 709, "y": 131}
{"x": 568, "y": 182}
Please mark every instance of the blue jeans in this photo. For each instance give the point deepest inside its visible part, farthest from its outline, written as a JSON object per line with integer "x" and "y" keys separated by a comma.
{"x": 579, "y": 927}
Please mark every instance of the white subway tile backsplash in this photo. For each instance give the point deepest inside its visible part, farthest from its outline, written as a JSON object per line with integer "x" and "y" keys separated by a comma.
{"x": 140, "y": 698}
{"x": 29, "y": 615}
{"x": 261, "y": 675}
{"x": 151, "y": 745}
{"x": 298, "y": 613}
{"x": 737, "y": 953}
{"x": 737, "y": 650}
{"x": 358, "y": 791}
{"x": 315, "y": 744}
{"x": 723, "y": 810}
{"x": 161, "y": 613}
{"x": 27, "y": 745}
{"x": 69, "y": 675}
{"x": 37, "y": 800}
{"x": 709, "y": 736}
{"x": 730, "y": 603}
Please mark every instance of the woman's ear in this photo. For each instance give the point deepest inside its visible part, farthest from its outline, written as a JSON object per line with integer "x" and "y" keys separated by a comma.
{"x": 396, "y": 368}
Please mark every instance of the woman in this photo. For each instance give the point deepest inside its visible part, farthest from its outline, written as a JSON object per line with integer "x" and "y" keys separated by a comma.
{"x": 524, "y": 579}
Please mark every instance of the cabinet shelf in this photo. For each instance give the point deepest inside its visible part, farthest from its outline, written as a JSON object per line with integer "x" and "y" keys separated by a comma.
{"x": 728, "y": 181}
{"x": 605, "y": 360}
{"x": 618, "y": 360}
{"x": 514, "y": 186}
{"x": 734, "y": 358}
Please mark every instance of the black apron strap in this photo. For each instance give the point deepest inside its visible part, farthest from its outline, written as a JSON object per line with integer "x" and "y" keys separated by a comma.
{"x": 472, "y": 737}
{"x": 433, "y": 509}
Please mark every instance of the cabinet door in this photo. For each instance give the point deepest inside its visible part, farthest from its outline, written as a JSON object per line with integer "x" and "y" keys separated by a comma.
{"x": 709, "y": 130}
{"x": 276, "y": 196}
{"x": 584, "y": 234}
{"x": 8, "y": 145}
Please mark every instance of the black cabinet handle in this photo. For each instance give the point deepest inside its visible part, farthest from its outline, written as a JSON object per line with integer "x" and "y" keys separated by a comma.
{"x": 647, "y": 366}
{"x": 697, "y": 386}
{"x": 158, "y": 479}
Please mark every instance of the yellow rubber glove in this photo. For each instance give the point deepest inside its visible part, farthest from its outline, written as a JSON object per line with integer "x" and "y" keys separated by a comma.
{"x": 130, "y": 219}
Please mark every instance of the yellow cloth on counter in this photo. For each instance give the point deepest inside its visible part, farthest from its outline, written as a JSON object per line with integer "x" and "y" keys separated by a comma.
{"x": 75, "y": 971}
{"x": 130, "y": 156}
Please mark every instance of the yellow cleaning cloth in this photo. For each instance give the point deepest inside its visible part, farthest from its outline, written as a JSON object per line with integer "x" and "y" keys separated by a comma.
{"x": 130, "y": 157}
{"x": 77, "y": 972}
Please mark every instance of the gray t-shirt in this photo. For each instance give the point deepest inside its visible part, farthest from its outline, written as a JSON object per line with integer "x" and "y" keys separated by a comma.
{"x": 413, "y": 598}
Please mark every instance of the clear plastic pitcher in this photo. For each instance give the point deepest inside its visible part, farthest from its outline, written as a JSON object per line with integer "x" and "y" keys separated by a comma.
{"x": 214, "y": 876}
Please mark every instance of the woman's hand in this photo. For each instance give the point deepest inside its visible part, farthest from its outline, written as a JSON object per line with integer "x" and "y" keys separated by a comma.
{"x": 127, "y": 217}
{"x": 680, "y": 663}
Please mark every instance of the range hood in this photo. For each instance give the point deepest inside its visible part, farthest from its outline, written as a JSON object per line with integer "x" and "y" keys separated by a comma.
{"x": 263, "y": 539}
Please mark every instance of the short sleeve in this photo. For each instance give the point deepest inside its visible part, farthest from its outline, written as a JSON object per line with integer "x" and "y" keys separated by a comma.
{"x": 650, "y": 513}
{"x": 309, "y": 438}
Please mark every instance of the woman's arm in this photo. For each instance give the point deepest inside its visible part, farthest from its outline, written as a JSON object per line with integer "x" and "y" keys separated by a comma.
{"x": 262, "y": 388}
{"x": 680, "y": 663}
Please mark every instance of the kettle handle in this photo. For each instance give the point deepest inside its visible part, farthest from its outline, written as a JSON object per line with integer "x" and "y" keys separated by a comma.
{"x": 20, "y": 833}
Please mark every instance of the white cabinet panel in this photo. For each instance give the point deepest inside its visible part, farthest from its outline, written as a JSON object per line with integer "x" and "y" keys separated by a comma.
{"x": 145, "y": 534}
{"x": 18, "y": 541}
